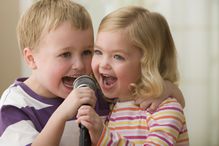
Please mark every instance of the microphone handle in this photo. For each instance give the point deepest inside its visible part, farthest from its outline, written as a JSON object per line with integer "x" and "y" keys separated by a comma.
{"x": 84, "y": 139}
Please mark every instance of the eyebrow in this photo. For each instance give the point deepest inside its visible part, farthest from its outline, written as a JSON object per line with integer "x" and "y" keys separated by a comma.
{"x": 121, "y": 51}
{"x": 96, "y": 46}
{"x": 67, "y": 48}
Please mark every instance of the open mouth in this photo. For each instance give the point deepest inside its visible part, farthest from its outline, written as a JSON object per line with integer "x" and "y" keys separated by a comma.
{"x": 108, "y": 81}
{"x": 68, "y": 81}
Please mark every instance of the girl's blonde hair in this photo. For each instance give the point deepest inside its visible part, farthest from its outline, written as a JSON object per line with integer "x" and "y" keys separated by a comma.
{"x": 149, "y": 32}
{"x": 46, "y": 15}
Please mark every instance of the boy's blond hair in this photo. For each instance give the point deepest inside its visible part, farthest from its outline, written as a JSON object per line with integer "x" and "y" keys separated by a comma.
{"x": 46, "y": 15}
{"x": 149, "y": 32}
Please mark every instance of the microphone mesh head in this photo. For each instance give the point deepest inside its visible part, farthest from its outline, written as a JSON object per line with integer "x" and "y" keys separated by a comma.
{"x": 85, "y": 81}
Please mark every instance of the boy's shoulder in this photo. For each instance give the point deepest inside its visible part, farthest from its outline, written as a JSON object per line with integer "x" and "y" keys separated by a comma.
{"x": 16, "y": 95}
{"x": 12, "y": 96}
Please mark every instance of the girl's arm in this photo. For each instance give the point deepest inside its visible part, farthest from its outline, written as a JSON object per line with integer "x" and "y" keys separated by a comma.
{"x": 165, "y": 127}
{"x": 88, "y": 117}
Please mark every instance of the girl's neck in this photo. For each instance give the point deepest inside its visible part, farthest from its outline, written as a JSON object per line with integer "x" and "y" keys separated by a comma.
{"x": 124, "y": 99}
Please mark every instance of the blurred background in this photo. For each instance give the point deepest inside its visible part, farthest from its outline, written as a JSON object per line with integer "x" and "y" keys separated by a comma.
{"x": 195, "y": 29}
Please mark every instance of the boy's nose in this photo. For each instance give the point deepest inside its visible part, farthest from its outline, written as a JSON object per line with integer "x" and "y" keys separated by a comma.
{"x": 77, "y": 64}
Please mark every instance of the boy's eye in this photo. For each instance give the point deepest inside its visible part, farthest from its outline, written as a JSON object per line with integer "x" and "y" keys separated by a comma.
{"x": 119, "y": 57}
{"x": 66, "y": 54}
{"x": 97, "y": 52}
{"x": 87, "y": 52}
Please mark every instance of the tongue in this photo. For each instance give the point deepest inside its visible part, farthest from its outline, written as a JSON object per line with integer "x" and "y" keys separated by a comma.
{"x": 68, "y": 81}
{"x": 109, "y": 80}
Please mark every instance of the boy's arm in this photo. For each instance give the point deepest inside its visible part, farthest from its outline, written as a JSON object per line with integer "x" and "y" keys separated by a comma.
{"x": 173, "y": 90}
{"x": 15, "y": 128}
{"x": 53, "y": 130}
{"x": 170, "y": 90}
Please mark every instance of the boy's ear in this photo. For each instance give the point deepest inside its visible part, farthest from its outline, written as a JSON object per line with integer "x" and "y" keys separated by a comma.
{"x": 29, "y": 58}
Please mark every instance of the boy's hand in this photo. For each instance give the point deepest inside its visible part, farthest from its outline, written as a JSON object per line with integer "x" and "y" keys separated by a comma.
{"x": 170, "y": 90}
{"x": 151, "y": 104}
{"x": 92, "y": 121}
{"x": 77, "y": 98}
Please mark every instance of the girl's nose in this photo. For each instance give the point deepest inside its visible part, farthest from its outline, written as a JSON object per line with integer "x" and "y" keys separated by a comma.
{"x": 105, "y": 63}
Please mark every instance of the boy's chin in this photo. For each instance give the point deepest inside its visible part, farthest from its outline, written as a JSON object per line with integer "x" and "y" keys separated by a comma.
{"x": 64, "y": 94}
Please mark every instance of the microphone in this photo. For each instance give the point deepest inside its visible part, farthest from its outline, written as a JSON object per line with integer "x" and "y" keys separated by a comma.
{"x": 84, "y": 81}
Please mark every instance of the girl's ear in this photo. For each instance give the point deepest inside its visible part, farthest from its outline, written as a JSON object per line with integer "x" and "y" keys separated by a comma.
{"x": 29, "y": 58}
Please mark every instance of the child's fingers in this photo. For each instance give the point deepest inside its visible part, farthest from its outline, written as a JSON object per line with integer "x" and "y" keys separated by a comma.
{"x": 83, "y": 110}
{"x": 88, "y": 101}
{"x": 139, "y": 100}
{"x": 87, "y": 116}
{"x": 146, "y": 103}
{"x": 91, "y": 120}
{"x": 154, "y": 105}
{"x": 87, "y": 96}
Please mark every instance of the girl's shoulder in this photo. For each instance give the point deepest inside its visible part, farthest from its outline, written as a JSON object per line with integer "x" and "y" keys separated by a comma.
{"x": 170, "y": 102}
{"x": 169, "y": 110}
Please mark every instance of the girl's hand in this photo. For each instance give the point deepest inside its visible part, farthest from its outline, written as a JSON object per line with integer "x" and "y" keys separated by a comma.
{"x": 92, "y": 121}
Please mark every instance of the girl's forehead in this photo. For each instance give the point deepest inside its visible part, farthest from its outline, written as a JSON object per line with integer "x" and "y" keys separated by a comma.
{"x": 114, "y": 38}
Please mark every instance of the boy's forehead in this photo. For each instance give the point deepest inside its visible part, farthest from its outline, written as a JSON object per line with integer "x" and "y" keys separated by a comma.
{"x": 66, "y": 27}
{"x": 66, "y": 36}
{"x": 52, "y": 26}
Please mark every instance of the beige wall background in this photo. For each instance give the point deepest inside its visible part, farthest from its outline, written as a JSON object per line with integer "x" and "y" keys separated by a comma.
{"x": 10, "y": 66}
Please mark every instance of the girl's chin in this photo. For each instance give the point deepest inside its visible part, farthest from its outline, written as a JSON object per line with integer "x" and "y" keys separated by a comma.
{"x": 108, "y": 95}
{"x": 122, "y": 97}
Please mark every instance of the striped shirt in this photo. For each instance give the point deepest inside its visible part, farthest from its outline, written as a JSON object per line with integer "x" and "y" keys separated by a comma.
{"x": 130, "y": 125}
{"x": 23, "y": 115}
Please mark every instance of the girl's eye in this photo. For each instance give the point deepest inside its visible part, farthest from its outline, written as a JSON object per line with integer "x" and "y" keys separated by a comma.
{"x": 97, "y": 52}
{"x": 119, "y": 57}
{"x": 87, "y": 52}
{"x": 66, "y": 55}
